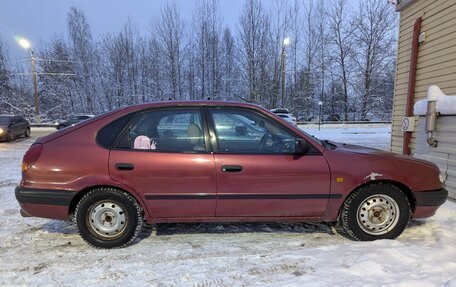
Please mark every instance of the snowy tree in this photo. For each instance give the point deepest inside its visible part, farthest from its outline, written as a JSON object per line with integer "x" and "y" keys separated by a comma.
{"x": 254, "y": 37}
{"x": 5, "y": 85}
{"x": 374, "y": 36}
{"x": 341, "y": 48}
{"x": 56, "y": 82}
{"x": 229, "y": 67}
{"x": 207, "y": 25}
{"x": 170, "y": 32}
{"x": 83, "y": 55}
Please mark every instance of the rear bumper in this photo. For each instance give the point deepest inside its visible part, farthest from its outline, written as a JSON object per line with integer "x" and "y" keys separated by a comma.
{"x": 53, "y": 204}
{"x": 427, "y": 202}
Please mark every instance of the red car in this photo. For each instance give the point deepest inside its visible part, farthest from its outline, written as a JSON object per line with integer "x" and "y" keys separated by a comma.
{"x": 217, "y": 161}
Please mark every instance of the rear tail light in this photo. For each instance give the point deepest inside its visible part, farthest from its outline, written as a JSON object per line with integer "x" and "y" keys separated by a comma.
{"x": 31, "y": 156}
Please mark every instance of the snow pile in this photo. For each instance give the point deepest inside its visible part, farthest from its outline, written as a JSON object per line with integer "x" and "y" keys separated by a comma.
{"x": 446, "y": 105}
{"x": 45, "y": 252}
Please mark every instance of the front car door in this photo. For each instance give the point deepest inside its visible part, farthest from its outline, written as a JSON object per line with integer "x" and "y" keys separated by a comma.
{"x": 21, "y": 125}
{"x": 15, "y": 126}
{"x": 258, "y": 173}
{"x": 162, "y": 155}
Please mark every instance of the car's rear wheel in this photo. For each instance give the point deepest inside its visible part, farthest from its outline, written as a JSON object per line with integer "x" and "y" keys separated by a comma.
{"x": 108, "y": 218}
{"x": 27, "y": 132}
{"x": 376, "y": 211}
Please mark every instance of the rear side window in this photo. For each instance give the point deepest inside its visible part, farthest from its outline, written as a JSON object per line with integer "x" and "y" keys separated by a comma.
{"x": 109, "y": 133}
{"x": 174, "y": 130}
{"x": 4, "y": 120}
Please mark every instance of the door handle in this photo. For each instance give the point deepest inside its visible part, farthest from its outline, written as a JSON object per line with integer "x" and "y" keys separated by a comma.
{"x": 231, "y": 168}
{"x": 124, "y": 166}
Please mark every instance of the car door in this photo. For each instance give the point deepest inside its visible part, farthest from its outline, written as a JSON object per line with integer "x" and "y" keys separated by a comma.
{"x": 258, "y": 172}
{"x": 15, "y": 126}
{"x": 21, "y": 125}
{"x": 162, "y": 155}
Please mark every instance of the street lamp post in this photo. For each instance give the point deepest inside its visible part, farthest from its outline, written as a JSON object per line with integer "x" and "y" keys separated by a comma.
{"x": 320, "y": 105}
{"x": 286, "y": 42}
{"x": 26, "y": 45}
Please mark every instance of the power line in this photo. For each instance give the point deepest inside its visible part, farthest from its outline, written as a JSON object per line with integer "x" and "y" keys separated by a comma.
{"x": 46, "y": 74}
{"x": 59, "y": 61}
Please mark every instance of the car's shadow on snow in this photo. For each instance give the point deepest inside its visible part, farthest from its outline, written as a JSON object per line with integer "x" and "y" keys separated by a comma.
{"x": 416, "y": 222}
{"x": 62, "y": 227}
{"x": 70, "y": 228}
{"x": 245, "y": 227}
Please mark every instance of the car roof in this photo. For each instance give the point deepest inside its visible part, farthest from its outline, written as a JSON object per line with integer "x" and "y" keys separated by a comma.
{"x": 196, "y": 104}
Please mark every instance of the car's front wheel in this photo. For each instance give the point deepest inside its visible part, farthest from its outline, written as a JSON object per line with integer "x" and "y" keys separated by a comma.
{"x": 27, "y": 132}
{"x": 376, "y": 211}
{"x": 108, "y": 218}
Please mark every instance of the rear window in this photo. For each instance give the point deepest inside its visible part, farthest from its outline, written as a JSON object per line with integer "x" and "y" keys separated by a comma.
{"x": 109, "y": 133}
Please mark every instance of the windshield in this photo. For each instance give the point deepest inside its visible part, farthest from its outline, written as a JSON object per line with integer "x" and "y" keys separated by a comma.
{"x": 4, "y": 120}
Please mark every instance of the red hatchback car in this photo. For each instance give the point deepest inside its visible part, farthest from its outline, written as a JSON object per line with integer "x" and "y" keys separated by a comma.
{"x": 217, "y": 161}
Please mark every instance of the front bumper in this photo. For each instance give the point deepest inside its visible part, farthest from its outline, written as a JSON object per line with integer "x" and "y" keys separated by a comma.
{"x": 53, "y": 204}
{"x": 427, "y": 202}
{"x": 431, "y": 197}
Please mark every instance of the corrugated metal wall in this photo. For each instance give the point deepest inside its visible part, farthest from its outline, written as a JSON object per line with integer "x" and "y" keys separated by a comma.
{"x": 444, "y": 155}
{"x": 436, "y": 58}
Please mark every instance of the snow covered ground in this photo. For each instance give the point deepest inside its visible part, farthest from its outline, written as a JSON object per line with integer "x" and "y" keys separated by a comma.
{"x": 45, "y": 252}
{"x": 371, "y": 135}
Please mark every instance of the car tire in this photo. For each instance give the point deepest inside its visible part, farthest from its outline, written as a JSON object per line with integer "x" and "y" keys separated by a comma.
{"x": 376, "y": 211}
{"x": 108, "y": 218}
{"x": 27, "y": 133}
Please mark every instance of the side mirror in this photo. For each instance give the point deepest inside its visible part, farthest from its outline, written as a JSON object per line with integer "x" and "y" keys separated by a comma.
{"x": 301, "y": 147}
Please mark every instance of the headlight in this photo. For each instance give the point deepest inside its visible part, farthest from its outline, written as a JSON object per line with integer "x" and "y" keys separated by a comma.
{"x": 1, "y": 131}
{"x": 442, "y": 177}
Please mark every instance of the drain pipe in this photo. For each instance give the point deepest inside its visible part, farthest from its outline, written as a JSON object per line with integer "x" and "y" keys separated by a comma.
{"x": 411, "y": 84}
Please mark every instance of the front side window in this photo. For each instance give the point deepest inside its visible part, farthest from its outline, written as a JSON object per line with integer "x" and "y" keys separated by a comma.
{"x": 166, "y": 131}
{"x": 244, "y": 131}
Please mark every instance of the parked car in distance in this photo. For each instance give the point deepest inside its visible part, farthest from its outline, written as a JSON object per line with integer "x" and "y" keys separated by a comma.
{"x": 72, "y": 121}
{"x": 289, "y": 118}
{"x": 285, "y": 114}
{"x": 217, "y": 162}
{"x": 12, "y": 127}
{"x": 280, "y": 111}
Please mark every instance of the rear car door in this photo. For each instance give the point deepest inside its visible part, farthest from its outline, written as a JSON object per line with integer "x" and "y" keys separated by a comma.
{"x": 162, "y": 155}
{"x": 258, "y": 174}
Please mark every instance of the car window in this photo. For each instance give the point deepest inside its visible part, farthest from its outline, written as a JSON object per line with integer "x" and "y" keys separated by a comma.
{"x": 244, "y": 131}
{"x": 109, "y": 133}
{"x": 176, "y": 130}
{"x": 4, "y": 120}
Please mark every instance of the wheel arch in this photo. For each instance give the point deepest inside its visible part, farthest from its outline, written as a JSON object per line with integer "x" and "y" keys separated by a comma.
{"x": 80, "y": 195}
{"x": 404, "y": 188}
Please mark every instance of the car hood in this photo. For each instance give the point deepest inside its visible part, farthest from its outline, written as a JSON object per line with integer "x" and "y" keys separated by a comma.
{"x": 3, "y": 127}
{"x": 356, "y": 149}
